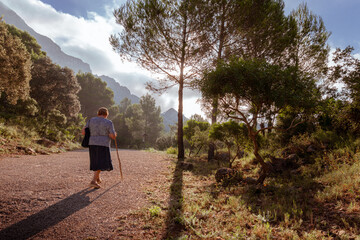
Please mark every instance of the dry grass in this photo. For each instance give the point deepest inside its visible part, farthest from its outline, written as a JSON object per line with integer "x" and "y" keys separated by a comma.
{"x": 284, "y": 208}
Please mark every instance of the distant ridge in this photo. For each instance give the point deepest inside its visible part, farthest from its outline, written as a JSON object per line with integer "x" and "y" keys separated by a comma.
{"x": 47, "y": 45}
{"x": 170, "y": 117}
{"x": 120, "y": 92}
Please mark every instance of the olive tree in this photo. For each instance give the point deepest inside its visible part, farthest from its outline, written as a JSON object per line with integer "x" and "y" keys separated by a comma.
{"x": 233, "y": 135}
{"x": 247, "y": 89}
{"x": 196, "y": 133}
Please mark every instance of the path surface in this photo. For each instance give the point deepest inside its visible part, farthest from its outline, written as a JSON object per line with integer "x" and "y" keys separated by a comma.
{"x": 47, "y": 197}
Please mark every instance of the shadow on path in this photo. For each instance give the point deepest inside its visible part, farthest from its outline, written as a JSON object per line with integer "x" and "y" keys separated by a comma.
{"x": 50, "y": 216}
{"x": 174, "y": 225}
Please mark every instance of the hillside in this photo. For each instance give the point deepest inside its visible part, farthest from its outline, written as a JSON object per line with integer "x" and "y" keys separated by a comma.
{"x": 120, "y": 92}
{"x": 51, "y": 48}
{"x": 171, "y": 118}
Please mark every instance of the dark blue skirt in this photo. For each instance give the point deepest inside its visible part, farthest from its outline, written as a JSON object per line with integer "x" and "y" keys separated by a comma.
{"x": 100, "y": 158}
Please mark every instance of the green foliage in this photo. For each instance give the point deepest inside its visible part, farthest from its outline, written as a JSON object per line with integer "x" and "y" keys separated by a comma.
{"x": 265, "y": 32}
{"x": 45, "y": 107}
{"x": 94, "y": 94}
{"x": 260, "y": 84}
{"x": 139, "y": 125}
{"x": 124, "y": 104}
{"x": 191, "y": 125}
{"x": 26, "y": 107}
{"x": 288, "y": 117}
{"x": 165, "y": 141}
{"x": 252, "y": 89}
{"x": 135, "y": 122}
{"x": 233, "y": 135}
{"x": 171, "y": 150}
{"x": 29, "y": 41}
{"x": 196, "y": 133}
{"x": 15, "y": 66}
{"x": 155, "y": 211}
{"x": 310, "y": 49}
{"x": 124, "y": 137}
{"x": 151, "y": 116}
{"x": 328, "y": 138}
{"x": 8, "y": 132}
{"x": 54, "y": 87}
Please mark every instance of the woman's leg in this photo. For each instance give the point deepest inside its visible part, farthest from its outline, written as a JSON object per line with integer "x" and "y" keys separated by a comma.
{"x": 96, "y": 175}
{"x": 95, "y": 179}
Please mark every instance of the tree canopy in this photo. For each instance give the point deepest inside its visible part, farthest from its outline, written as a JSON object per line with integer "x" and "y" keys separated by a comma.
{"x": 310, "y": 51}
{"x": 54, "y": 87}
{"x": 94, "y": 94}
{"x": 248, "y": 89}
{"x": 163, "y": 37}
{"x": 15, "y": 66}
{"x": 152, "y": 119}
{"x": 29, "y": 41}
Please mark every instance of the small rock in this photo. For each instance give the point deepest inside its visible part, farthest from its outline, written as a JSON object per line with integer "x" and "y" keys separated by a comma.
{"x": 224, "y": 173}
{"x": 30, "y": 151}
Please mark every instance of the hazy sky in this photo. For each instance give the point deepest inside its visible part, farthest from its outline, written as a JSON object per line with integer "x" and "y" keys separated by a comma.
{"x": 82, "y": 28}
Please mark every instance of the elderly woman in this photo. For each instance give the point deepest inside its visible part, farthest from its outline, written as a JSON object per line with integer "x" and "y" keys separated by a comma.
{"x": 101, "y": 133}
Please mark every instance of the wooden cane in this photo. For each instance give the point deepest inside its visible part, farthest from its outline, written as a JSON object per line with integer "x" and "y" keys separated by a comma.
{"x": 117, "y": 153}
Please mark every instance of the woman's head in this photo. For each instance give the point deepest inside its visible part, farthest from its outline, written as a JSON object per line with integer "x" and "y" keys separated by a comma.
{"x": 103, "y": 112}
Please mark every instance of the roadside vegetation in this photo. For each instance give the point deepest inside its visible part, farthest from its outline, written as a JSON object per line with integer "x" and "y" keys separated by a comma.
{"x": 190, "y": 204}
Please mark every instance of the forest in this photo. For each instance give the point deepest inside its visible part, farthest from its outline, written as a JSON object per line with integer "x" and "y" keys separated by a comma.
{"x": 283, "y": 135}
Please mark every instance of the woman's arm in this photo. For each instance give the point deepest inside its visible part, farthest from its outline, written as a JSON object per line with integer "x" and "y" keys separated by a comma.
{"x": 83, "y": 131}
{"x": 112, "y": 136}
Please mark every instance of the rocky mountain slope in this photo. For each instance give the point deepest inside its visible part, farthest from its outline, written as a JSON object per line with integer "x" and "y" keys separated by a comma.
{"x": 47, "y": 45}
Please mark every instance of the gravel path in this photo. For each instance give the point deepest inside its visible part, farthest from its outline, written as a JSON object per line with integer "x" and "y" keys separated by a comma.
{"x": 47, "y": 196}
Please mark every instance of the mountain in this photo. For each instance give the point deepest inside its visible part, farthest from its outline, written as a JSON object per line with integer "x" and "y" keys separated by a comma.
{"x": 120, "y": 92}
{"x": 47, "y": 45}
{"x": 170, "y": 117}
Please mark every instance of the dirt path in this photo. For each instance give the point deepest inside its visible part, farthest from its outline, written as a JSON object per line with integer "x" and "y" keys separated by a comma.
{"x": 47, "y": 197}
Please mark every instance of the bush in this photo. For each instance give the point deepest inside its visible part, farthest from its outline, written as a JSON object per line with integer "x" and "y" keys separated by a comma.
{"x": 171, "y": 150}
{"x": 164, "y": 142}
{"x": 326, "y": 137}
{"x": 8, "y": 131}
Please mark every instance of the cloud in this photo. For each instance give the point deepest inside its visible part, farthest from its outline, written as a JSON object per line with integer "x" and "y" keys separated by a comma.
{"x": 87, "y": 39}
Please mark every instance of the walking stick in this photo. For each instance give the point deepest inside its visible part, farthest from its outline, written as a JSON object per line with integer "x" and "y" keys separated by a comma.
{"x": 117, "y": 153}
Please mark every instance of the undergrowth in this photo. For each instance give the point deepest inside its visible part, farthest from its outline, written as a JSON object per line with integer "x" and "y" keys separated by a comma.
{"x": 17, "y": 139}
{"x": 294, "y": 205}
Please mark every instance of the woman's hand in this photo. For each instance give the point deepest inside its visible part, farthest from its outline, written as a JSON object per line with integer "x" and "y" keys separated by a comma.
{"x": 112, "y": 136}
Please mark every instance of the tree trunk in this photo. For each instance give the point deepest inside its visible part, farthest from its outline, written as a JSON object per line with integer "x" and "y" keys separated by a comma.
{"x": 211, "y": 151}
{"x": 180, "y": 135}
{"x": 180, "y": 140}
{"x": 266, "y": 168}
